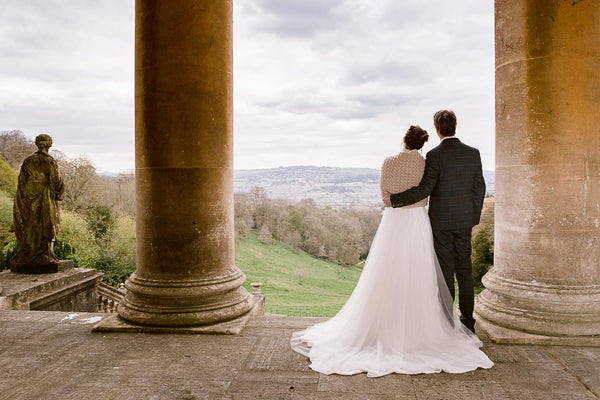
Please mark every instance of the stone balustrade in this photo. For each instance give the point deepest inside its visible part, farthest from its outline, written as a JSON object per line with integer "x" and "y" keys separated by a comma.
{"x": 109, "y": 297}
{"x": 259, "y": 299}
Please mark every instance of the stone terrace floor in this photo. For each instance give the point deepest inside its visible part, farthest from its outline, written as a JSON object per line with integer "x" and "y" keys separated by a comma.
{"x": 54, "y": 355}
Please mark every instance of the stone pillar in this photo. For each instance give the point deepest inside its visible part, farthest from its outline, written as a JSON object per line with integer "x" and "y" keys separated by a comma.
{"x": 546, "y": 277}
{"x": 185, "y": 272}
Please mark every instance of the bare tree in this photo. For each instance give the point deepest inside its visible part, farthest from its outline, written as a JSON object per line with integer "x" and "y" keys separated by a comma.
{"x": 123, "y": 189}
{"x": 242, "y": 215}
{"x": 15, "y": 147}
{"x": 81, "y": 183}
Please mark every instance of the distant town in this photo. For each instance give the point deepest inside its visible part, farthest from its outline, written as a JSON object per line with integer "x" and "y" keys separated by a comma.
{"x": 327, "y": 186}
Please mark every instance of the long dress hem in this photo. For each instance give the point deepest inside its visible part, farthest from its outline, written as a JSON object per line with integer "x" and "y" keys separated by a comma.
{"x": 400, "y": 317}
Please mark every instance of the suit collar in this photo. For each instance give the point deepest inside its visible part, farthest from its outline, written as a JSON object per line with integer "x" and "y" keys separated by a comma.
{"x": 449, "y": 139}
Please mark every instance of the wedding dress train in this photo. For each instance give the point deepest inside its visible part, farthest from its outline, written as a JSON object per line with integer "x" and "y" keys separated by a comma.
{"x": 400, "y": 317}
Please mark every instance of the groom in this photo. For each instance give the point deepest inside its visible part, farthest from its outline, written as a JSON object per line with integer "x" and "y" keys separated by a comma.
{"x": 453, "y": 179}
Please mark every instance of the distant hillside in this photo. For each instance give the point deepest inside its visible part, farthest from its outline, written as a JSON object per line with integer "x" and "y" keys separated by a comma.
{"x": 490, "y": 182}
{"x": 327, "y": 186}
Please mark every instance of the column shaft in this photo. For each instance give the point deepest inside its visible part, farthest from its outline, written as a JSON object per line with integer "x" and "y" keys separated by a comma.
{"x": 184, "y": 177}
{"x": 546, "y": 274}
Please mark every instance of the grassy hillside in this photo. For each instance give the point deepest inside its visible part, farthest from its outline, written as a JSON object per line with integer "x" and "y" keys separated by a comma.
{"x": 294, "y": 282}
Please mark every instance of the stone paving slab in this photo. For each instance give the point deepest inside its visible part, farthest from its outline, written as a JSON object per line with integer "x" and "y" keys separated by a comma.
{"x": 55, "y": 355}
{"x": 114, "y": 323}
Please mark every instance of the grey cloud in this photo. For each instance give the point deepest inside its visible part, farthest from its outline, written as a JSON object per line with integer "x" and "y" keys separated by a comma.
{"x": 299, "y": 18}
{"x": 381, "y": 99}
{"x": 388, "y": 71}
{"x": 330, "y": 107}
{"x": 51, "y": 36}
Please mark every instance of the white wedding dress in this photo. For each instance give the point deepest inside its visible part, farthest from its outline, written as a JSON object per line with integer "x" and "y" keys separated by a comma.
{"x": 400, "y": 317}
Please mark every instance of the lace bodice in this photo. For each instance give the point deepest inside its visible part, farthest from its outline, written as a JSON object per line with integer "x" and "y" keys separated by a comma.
{"x": 401, "y": 172}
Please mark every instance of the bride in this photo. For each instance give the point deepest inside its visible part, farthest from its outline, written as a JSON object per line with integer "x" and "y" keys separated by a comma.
{"x": 400, "y": 317}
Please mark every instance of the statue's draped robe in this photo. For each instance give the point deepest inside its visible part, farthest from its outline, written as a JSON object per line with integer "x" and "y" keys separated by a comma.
{"x": 36, "y": 214}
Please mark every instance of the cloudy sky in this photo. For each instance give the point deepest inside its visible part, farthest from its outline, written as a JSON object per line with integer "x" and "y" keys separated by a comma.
{"x": 316, "y": 82}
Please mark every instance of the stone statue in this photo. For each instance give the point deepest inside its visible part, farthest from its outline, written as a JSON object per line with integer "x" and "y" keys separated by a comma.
{"x": 36, "y": 213}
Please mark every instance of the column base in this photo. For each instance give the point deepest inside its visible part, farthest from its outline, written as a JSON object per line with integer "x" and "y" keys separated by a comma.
{"x": 175, "y": 301}
{"x": 540, "y": 309}
{"x": 501, "y": 335}
{"x": 115, "y": 323}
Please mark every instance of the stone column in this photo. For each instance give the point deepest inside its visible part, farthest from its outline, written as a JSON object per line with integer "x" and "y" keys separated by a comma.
{"x": 185, "y": 272}
{"x": 546, "y": 277}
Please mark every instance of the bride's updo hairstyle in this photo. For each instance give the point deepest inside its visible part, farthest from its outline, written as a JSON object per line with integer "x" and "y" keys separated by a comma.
{"x": 415, "y": 137}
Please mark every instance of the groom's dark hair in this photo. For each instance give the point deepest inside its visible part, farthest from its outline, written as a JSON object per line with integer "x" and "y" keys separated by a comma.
{"x": 445, "y": 122}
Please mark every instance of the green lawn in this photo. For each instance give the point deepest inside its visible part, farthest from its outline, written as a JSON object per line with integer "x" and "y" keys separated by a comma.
{"x": 294, "y": 282}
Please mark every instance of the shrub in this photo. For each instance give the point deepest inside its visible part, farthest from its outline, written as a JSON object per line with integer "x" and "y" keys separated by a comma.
{"x": 117, "y": 260}
{"x": 8, "y": 245}
{"x": 99, "y": 219}
{"x": 76, "y": 242}
{"x": 121, "y": 242}
{"x": 8, "y": 242}
{"x": 265, "y": 235}
{"x": 8, "y": 178}
{"x": 483, "y": 252}
{"x": 6, "y": 209}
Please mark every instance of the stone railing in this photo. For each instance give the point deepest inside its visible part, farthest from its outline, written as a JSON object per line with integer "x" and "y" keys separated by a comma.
{"x": 109, "y": 297}
{"x": 259, "y": 299}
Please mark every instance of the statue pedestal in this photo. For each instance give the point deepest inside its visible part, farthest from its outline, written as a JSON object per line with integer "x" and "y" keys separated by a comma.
{"x": 73, "y": 289}
{"x": 47, "y": 268}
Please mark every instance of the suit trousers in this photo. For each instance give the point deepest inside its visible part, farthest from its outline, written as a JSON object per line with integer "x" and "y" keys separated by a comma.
{"x": 453, "y": 250}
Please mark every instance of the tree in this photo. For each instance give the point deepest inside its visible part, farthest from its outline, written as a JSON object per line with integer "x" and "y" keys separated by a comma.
{"x": 242, "y": 216}
{"x": 15, "y": 147}
{"x": 80, "y": 179}
{"x": 348, "y": 238}
{"x": 315, "y": 234}
{"x": 124, "y": 191}
{"x": 257, "y": 197}
{"x": 369, "y": 221}
{"x": 295, "y": 220}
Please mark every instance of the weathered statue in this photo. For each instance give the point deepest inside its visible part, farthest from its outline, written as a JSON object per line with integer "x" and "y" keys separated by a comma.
{"x": 36, "y": 213}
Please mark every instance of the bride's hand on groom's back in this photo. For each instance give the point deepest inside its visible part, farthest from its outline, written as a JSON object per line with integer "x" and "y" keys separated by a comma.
{"x": 386, "y": 199}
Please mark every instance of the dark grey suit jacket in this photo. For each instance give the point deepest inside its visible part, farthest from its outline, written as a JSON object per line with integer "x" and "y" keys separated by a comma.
{"x": 454, "y": 181}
